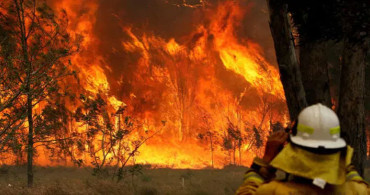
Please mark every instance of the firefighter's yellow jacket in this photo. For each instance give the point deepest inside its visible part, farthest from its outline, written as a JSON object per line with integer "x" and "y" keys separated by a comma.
{"x": 335, "y": 175}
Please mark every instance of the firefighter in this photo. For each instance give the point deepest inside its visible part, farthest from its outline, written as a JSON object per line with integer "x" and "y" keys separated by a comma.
{"x": 314, "y": 157}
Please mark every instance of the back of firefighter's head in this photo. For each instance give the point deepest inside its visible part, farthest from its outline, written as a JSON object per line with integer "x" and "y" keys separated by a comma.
{"x": 318, "y": 128}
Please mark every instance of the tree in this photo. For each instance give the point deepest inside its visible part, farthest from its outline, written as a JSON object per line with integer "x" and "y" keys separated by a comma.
{"x": 320, "y": 23}
{"x": 183, "y": 81}
{"x": 316, "y": 25}
{"x": 51, "y": 130}
{"x": 232, "y": 141}
{"x": 111, "y": 136}
{"x": 290, "y": 74}
{"x": 323, "y": 27}
{"x": 35, "y": 64}
{"x": 355, "y": 20}
{"x": 99, "y": 130}
{"x": 101, "y": 135}
{"x": 208, "y": 134}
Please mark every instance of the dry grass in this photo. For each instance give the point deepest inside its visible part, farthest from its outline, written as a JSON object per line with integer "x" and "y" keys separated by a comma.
{"x": 66, "y": 180}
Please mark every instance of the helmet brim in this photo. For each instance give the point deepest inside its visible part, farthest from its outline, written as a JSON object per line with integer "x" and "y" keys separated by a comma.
{"x": 339, "y": 143}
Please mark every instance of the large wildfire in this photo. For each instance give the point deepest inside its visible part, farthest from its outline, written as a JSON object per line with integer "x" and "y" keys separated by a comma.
{"x": 196, "y": 87}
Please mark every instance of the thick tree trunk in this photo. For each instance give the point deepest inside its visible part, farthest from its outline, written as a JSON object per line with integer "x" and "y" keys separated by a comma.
{"x": 351, "y": 109}
{"x": 314, "y": 70}
{"x": 290, "y": 74}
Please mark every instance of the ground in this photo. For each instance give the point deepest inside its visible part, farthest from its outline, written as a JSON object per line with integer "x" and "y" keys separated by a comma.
{"x": 69, "y": 180}
{"x": 72, "y": 180}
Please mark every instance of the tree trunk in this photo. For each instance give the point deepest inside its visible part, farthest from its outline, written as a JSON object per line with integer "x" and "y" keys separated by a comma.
{"x": 240, "y": 153}
{"x": 230, "y": 156}
{"x": 351, "y": 109}
{"x": 314, "y": 70}
{"x": 211, "y": 149}
{"x": 290, "y": 74}
{"x": 28, "y": 66}
{"x": 234, "y": 151}
{"x": 29, "y": 115}
{"x": 30, "y": 143}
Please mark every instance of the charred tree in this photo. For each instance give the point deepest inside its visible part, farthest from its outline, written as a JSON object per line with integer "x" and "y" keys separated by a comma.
{"x": 319, "y": 25}
{"x": 316, "y": 26}
{"x": 314, "y": 68}
{"x": 290, "y": 74}
{"x": 351, "y": 102}
{"x": 355, "y": 22}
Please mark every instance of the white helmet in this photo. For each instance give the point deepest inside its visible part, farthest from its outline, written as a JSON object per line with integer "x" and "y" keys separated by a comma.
{"x": 318, "y": 127}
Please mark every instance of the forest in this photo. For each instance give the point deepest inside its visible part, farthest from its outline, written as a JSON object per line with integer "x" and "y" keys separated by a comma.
{"x": 106, "y": 97}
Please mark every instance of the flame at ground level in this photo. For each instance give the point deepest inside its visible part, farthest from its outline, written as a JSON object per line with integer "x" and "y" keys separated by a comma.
{"x": 193, "y": 156}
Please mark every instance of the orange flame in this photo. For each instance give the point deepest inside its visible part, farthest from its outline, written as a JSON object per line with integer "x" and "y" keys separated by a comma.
{"x": 196, "y": 84}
